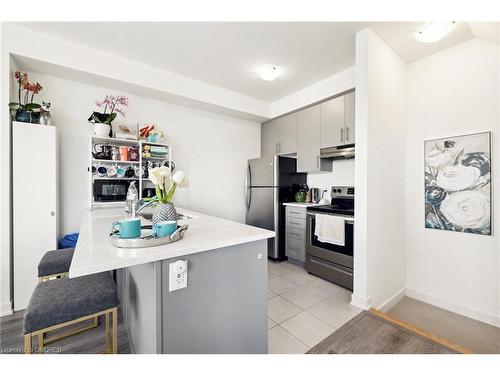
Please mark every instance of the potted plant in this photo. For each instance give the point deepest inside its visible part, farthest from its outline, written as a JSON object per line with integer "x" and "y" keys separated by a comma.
{"x": 102, "y": 120}
{"x": 25, "y": 107}
{"x": 165, "y": 186}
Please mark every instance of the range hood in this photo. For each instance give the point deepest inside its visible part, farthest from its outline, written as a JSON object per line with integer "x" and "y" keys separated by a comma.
{"x": 338, "y": 152}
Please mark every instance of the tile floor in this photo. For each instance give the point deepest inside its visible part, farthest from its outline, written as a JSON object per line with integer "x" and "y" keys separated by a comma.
{"x": 303, "y": 309}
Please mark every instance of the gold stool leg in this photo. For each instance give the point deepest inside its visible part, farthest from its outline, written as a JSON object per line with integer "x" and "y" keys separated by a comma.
{"x": 27, "y": 343}
{"x": 40, "y": 342}
{"x": 107, "y": 333}
{"x": 115, "y": 331}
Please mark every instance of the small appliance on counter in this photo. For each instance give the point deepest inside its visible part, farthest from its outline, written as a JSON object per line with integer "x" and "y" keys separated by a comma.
{"x": 332, "y": 260}
{"x": 316, "y": 195}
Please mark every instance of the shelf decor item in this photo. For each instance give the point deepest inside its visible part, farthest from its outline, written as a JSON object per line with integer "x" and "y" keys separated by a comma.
{"x": 149, "y": 133}
{"x": 112, "y": 105}
{"x": 25, "y": 109}
{"x": 165, "y": 186}
{"x": 458, "y": 183}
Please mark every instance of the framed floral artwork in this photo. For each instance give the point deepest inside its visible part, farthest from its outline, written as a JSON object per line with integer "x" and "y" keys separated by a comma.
{"x": 458, "y": 183}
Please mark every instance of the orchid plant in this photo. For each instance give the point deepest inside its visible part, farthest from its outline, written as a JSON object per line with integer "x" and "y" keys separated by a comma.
{"x": 25, "y": 99}
{"x": 112, "y": 106}
{"x": 166, "y": 183}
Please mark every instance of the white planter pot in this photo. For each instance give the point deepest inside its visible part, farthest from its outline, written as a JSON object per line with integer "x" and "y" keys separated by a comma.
{"x": 102, "y": 130}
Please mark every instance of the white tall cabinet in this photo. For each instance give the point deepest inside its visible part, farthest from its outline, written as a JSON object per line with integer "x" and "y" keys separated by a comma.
{"x": 34, "y": 206}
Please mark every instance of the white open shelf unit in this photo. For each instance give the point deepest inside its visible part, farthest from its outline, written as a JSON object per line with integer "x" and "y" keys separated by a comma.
{"x": 143, "y": 182}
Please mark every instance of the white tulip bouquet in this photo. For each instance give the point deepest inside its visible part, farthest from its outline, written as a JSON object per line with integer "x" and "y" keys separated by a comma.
{"x": 166, "y": 183}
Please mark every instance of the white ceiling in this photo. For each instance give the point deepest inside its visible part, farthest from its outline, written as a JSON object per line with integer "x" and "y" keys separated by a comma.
{"x": 227, "y": 54}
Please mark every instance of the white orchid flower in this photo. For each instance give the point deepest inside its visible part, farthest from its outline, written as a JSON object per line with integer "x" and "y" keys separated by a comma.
{"x": 156, "y": 177}
{"x": 178, "y": 177}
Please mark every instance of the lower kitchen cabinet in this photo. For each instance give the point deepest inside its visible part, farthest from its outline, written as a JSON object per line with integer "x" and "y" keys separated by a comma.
{"x": 295, "y": 242}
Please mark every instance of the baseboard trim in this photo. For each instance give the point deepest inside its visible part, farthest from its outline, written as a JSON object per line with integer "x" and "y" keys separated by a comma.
{"x": 392, "y": 301}
{"x": 6, "y": 308}
{"x": 362, "y": 303}
{"x": 454, "y": 307}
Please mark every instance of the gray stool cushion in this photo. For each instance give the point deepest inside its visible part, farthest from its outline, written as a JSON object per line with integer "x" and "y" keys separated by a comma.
{"x": 55, "y": 261}
{"x": 62, "y": 300}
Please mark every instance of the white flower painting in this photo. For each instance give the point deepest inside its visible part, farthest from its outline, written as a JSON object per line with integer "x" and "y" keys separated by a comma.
{"x": 458, "y": 183}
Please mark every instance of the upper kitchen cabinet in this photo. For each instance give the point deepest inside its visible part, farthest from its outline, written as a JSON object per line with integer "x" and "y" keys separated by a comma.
{"x": 337, "y": 121}
{"x": 309, "y": 141}
{"x": 332, "y": 122}
{"x": 349, "y": 113}
{"x": 279, "y": 136}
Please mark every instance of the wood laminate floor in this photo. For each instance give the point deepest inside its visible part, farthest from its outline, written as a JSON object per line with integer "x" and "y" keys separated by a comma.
{"x": 369, "y": 334}
{"x": 477, "y": 336}
{"x": 88, "y": 342}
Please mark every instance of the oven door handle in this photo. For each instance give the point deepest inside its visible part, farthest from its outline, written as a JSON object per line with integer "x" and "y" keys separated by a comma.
{"x": 348, "y": 220}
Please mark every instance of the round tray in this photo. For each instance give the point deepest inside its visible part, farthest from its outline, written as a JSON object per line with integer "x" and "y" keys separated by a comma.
{"x": 147, "y": 240}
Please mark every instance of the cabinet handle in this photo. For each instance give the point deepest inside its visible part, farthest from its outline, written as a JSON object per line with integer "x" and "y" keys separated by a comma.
{"x": 279, "y": 147}
{"x": 52, "y": 213}
{"x": 317, "y": 161}
{"x": 346, "y": 133}
{"x": 276, "y": 148}
{"x": 342, "y": 135}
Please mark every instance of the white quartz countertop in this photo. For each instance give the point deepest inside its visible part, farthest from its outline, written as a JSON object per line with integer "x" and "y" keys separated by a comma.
{"x": 296, "y": 204}
{"x": 94, "y": 252}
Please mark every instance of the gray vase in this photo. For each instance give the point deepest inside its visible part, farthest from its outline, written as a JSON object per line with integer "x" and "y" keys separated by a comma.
{"x": 164, "y": 212}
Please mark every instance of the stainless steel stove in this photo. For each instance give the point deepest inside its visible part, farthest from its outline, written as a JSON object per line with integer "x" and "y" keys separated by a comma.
{"x": 332, "y": 262}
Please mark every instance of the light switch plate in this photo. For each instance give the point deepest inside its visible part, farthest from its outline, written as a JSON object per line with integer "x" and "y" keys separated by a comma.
{"x": 177, "y": 275}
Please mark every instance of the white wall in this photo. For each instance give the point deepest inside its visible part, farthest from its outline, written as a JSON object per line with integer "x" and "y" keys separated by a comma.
{"x": 213, "y": 149}
{"x": 342, "y": 175}
{"x": 333, "y": 85}
{"x": 452, "y": 92}
{"x": 379, "y": 253}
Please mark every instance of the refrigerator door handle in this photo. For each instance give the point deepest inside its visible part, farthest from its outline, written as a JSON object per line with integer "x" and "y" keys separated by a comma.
{"x": 248, "y": 188}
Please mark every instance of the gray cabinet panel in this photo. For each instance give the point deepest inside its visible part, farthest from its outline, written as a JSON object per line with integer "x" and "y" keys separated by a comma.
{"x": 296, "y": 212}
{"x": 349, "y": 117}
{"x": 279, "y": 136}
{"x": 287, "y": 134}
{"x": 332, "y": 122}
{"x": 296, "y": 248}
{"x": 308, "y": 139}
{"x": 269, "y": 138}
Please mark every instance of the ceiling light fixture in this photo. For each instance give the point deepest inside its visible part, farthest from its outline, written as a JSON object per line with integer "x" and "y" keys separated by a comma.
{"x": 269, "y": 72}
{"x": 434, "y": 31}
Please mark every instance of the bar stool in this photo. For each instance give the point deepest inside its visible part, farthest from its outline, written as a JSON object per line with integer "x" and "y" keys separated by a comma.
{"x": 55, "y": 264}
{"x": 59, "y": 303}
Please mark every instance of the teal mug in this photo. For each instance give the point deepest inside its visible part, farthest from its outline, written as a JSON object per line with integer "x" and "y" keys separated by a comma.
{"x": 127, "y": 228}
{"x": 164, "y": 228}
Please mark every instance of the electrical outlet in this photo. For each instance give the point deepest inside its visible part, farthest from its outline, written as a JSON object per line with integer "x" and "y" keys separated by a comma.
{"x": 177, "y": 275}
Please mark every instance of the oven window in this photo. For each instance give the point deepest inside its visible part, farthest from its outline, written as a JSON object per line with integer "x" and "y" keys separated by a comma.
{"x": 347, "y": 249}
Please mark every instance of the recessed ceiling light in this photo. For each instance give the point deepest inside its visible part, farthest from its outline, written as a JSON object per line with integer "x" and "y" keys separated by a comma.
{"x": 269, "y": 72}
{"x": 434, "y": 31}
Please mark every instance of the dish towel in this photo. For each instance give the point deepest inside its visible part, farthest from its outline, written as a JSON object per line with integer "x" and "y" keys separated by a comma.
{"x": 330, "y": 229}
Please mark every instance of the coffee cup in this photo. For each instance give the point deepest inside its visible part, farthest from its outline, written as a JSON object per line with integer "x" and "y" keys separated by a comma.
{"x": 164, "y": 228}
{"x": 127, "y": 228}
{"x": 120, "y": 172}
{"x": 102, "y": 171}
{"x": 111, "y": 171}
{"x": 130, "y": 172}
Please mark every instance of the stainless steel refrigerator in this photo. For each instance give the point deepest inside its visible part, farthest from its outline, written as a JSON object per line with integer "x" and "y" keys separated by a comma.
{"x": 270, "y": 182}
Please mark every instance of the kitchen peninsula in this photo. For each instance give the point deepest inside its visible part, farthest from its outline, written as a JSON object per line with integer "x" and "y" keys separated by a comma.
{"x": 222, "y": 310}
